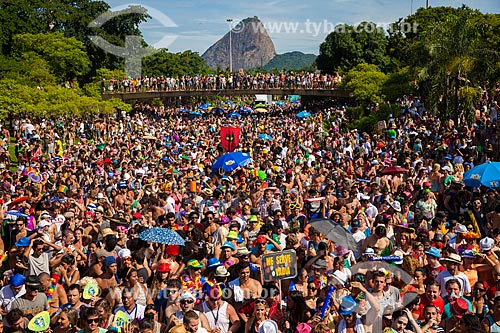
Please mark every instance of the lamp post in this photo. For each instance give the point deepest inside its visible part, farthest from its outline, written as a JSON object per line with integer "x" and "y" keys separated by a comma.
{"x": 230, "y": 21}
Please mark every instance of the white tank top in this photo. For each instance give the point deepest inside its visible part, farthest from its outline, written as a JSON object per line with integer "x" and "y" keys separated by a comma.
{"x": 217, "y": 318}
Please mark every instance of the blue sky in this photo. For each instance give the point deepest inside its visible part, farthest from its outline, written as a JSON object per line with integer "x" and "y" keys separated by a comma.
{"x": 293, "y": 25}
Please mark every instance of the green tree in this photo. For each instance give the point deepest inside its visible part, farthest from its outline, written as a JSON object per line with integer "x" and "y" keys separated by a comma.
{"x": 174, "y": 64}
{"x": 348, "y": 46}
{"x": 65, "y": 56}
{"x": 366, "y": 82}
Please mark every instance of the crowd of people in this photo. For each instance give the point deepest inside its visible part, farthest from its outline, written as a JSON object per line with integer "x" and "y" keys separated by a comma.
{"x": 238, "y": 81}
{"x": 426, "y": 248}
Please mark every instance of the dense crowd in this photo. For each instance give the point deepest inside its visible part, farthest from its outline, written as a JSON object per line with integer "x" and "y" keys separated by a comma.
{"x": 83, "y": 194}
{"x": 238, "y": 81}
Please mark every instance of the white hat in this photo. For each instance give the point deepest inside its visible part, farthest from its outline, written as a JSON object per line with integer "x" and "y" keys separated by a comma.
{"x": 396, "y": 206}
{"x": 460, "y": 229}
{"x": 124, "y": 253}
{"x": 399, "y": 253}
{"x": 268, "y": 326}
{"x": 186, "y": 295}
{"x": 486, "y": 244}
{"x": 341, "y": 277}
{"x": 100, "y": 196}
{"x": 447, "y": 168}
{"x": 369, "y": 251}
{"x": 126, "y": 176}
{"x": 44, "y": 223}
{"x": 364, "y": 197}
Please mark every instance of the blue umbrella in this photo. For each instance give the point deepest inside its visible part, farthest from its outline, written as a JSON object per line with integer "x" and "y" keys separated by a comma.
{"x": 265, "y": 136}
{"x": 280, "y": 103}
{"x": 303, "y": 114}
{"x": 246, "y": 110}
{"x": 204, "y": 106}
{"x": 17, "y": 214}
{"x": 231, "y": 161}
{"x": 486, "y": 174}
{"x": 234, "y": 115}
{"x": 295, "y": 102}
{"x": 228, "y": 103}
{"x": 184, "y": 111}
{"x": 162, "y": 236}
{"x": 218, "y": 110}
{"x": 196, "y": 114}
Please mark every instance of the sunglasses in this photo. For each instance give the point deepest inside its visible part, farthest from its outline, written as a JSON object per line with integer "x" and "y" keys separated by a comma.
{"x": 480, "y": 289}
{"x": 93, "y": 320}
{"x": 187, "y": 301}
{"x": 294, "y": 206}
{"x": 261, "y": 301}
{"x": 171, "y": 291}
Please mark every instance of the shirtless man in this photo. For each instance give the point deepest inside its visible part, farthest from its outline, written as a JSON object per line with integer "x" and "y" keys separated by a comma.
{"x": 58, "y": 296}
{"x": 244, "y": 289}
{"x": 119, "y": 200}
{"x": 377, "y": 241}
{"x": 107, "y": 281}
{"x": 171, "y": 299}
{"x": 210, "y": 228}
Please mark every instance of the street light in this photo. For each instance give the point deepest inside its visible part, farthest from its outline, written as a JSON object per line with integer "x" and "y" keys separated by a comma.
{"x": 230, "y": 21}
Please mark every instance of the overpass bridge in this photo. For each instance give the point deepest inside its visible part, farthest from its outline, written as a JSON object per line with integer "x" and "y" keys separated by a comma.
{"x": 172, "y": 94}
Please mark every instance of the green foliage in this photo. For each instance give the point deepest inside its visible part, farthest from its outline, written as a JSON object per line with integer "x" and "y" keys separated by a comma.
{"x": 366, "y": 82}
{"x": 366, "y": 121}
{"x": 290, "y": 61}
{"x": 399, "y": 83}
{"x": 65, "y": 56}
{"x": 347, "y": 46}
{"x": 169, "y": 64}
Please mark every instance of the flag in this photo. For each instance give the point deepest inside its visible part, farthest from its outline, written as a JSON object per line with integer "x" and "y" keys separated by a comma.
{"x": 229, "y": 137}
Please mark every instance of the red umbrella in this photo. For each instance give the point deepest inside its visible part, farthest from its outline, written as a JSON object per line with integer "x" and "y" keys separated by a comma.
{"x": 394, "y": 170}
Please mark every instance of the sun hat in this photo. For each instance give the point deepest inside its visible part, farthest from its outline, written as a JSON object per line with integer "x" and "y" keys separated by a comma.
{"x": 221, "y": 271}
{"x": 44, "y": 223}
{"x": 23, "y": 242}
{"x": 232, "y": 235}
{"x": 460, "y": 229}
{"x": 32, "y": 281}
{"x": 320, "y": 263}
{"x": 228, "y": 245}
{"x": 102, "y": 253}
{"x": 369, "y": 251}
{"x": 107, "y": 232}
{"x": 459, "y": 307}
{"x": 468, "y": 254}
{"x": 213, "y": 262}
{"x": 193, "y": 263}
{"x": 268, "y": 326}
{"x": 340, "y": 277}
{"x": 454, "y": 258}
{"x": 396, "y": 206}
{"x": 347, "y": 306}
{"x": 253, "y": 218}
{"x": 434, "y": 252}
{"x": 17, "y": 280}
{"x": 242, "y": 251}
{"x": 400, "y": 254}
{"x": 486, "y": 244}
